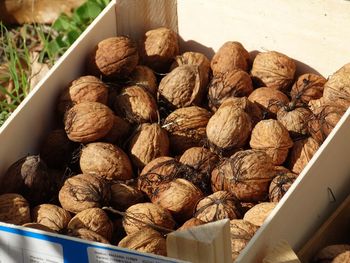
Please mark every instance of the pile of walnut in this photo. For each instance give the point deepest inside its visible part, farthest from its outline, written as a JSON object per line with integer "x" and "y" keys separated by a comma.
{"x": 172, "y": 141}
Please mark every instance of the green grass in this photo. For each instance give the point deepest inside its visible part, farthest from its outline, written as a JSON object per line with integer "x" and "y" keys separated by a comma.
{"x": 16, "y": 45}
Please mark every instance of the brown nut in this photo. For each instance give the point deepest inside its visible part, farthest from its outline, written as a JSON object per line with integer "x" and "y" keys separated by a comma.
{"x": 328, "y": 253}
{"x": 94, "y": 219}
{"x": 342, "y": 258}
{"x": 246, "y": 174}
{"x": 147, "y": 240}
{"x": 158, "y": 48}
{"x": 118, "y": 132}
{"x": 123, "y": 196}
{"x": 83, "y": 89}
{"x": 39, "y": 227}
{"x": 258, "y": 213}
{"x": 145, "y": 215}
{"x": 179, "y": 196}
{"x": 144, "y": 77}
{"x": 217, "y": 206}
{"x": 186, "y": 128}
{"x": 88, "y": 121}
{"x": 234, "y": 83}
{"x": 87, "y": 234}
{"x": 105, "y": 160}
{"x": 273, "y": 138}
{"x": 182, "y": 87}
{"x": 274, "y": 70}
{"x": 230, "y": 55}
{"x": 301, "y": 153}
{"x": 136, "y": 105}
{"x": 114, "y": 57}
{"x": 51, "y": 216}
{"x": 191, "y": 223}
{"x": 149, "y": 142}
{"x": 84, "y": 191}
{"x": 314, "y": 105}
{"x": 308, "y": 87}
{"x": 280, "y": 185}
{"x": 14, "y": 209}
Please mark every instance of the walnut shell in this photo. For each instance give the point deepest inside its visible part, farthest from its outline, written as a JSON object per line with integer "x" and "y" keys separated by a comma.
{"x": 14, "y": 209}
{"x": 179, "y": 196}
{"x": 124, "y": 196}
{"x": 337, "y": 87}
{"x": 270, "y": 100}
{"x": 144, "y": 77}
{"x": 217, "y": 206}
{"x": 314, "y": 105}
{"x": 105, "y": 160}
{"x": 30, "y": 177}
{"x": 84, "y": 191}
{"x": 51, "y": 216}
{"x": 301, "y": 153}
{"x": 88, "y": 121}
{"x": 197, "y": 59}
{"x": 280, "y": 185}
{"x": 191, "y": 223}
{"x": 118, "y": 132}
{"x": 57, "y": 140}
{"x": 328, "y": 253}
{"x": 201, "y": 161}
{"x": 136, "y": 105}
{"x": 274, "y": 70}
{"x": 246, "y": 174}
{"x": 149, "y": 142}
{"x": 94, "y": 219}
{"x": 273, "y": 138}
{"x": 83, "y": 89}
{"x": 39, "y": 227}
{"x": 87, "y": 234}
{"x": 342, "y": 258}
{"x": 230, "y": 55}
{"x": 158, "y": 48}
{"x": 147, "y": 240}
{"x": 241, "y": 233}
{"x": 258, "y": 213}
{"x": 228, "y": 128}
{"x": 294, "y": 120}
{"x": 186, "y": 128}
{"x": 308, "y": 87}
{"x": 324, "y": 120}
{"x": 233, "y": 83}
{"x": 114, "y": 57}
{"x": 182, "y": 87}
{"x": 139, "y": 216}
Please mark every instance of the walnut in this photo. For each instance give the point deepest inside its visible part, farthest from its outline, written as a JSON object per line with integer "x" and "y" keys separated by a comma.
{"x": 270, "y": 100}
{"x": 273, "y": 138}
{"x": 258, "y": 213}
{"x": 105, "y": 160}
{"x": 228, "y": 128}
{"x": 124, "y": 196}
{"x": 230, "y": 55}
{"x": 182, "y": 87}
{"x": 233, "y": 83}
{"x": 114, "y": 57}
{"x": 51, "y": 216}
{"x": 84, "y": 191}
{"x": 87, "y": 234}
{"x": 308, "y": 87}
{"x": 149, "y": 142}
{"x": 301, "y": 153}
{"x": 39, "y": 227}
{"x": 337, "y": 87}
{"x": 186, "y": 128}
{"x": 144, "y": 77}
{"x": 147, "y": 240}
{"x": 342, "y": 258}
{"x": 140, "y": 216}
{"x": 83, "y": 89}
{"x": 191, "y": 223}
{"x": 274, "y": 70}
{"x": 14, "y": 209}
{"x": 314, "y": 105}
{"x": 88, "y": 121}
{"x": 280, "y": 185}
{"x": 136, "y": 105}
{"x": 329, "y": 253}
{"x": 217, "y": 206}
{"x": 241, "y": 233}
{"x": 179, "y": 196}
{"x": 158, "y": 48}
{"x": 246, "y": 174}
{"x": 118, "y": 132}
{"x": 94, "y": 219}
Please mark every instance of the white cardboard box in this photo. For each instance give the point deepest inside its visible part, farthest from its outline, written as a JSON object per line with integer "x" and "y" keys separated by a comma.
{"x": 315, "y": 33}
